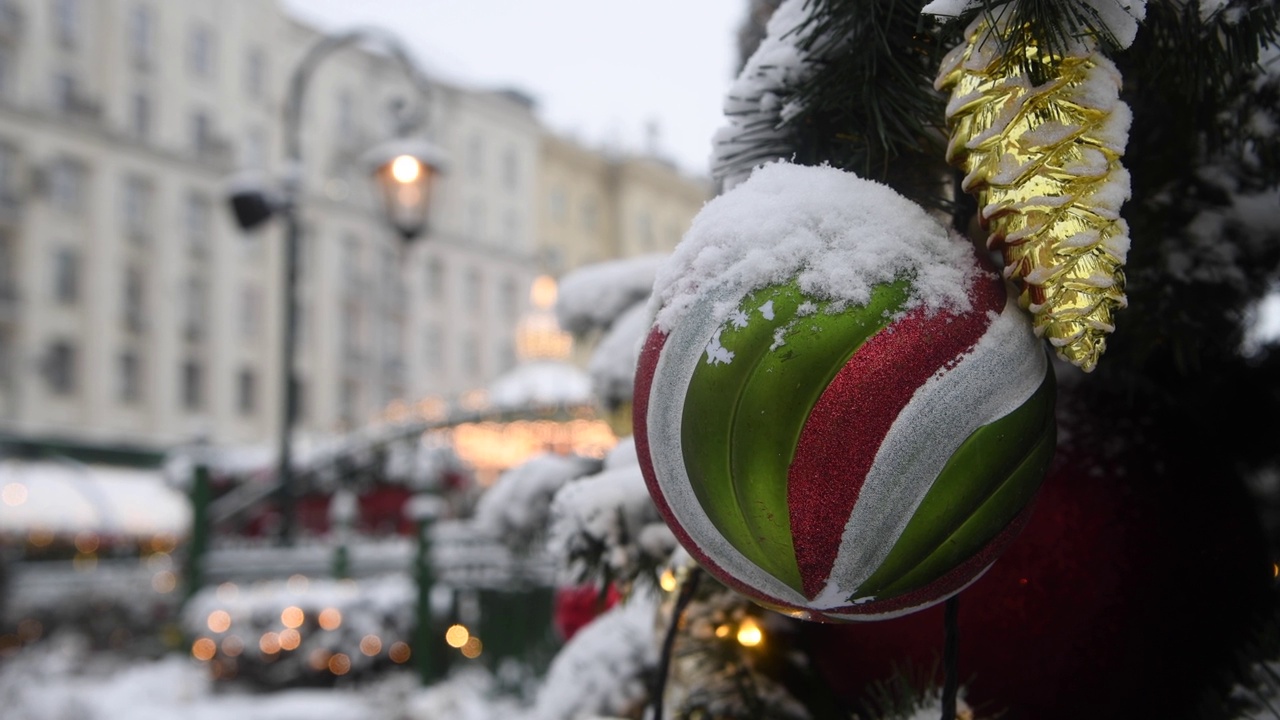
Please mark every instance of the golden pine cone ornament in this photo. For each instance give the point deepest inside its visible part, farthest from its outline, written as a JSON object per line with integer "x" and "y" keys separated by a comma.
{"x": 1043, "y": 159}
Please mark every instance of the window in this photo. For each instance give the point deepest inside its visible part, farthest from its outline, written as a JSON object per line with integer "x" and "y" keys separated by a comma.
{"x": 137, "y": 202}
{"x": 8, "y": 168}
{"x": 507, "y": 355}
{"x": 201, "y": 131}
{"x": 510, "y": 298}
{"x": 64, "y": 92}
{"x": 193, "y": 309}
{"x": 349, "y": 401}
{"x": 199, "y": 221}
{"x": 250, "y": 312}
{"x": 254, "y": 148}
{"x": 511, "y": 228}
{"x": 66, "y": 21}
{"x": 192, "y": 390}
{"x": 433, "y": 348}
{"x": 141, "y": 40}
{"x": 130, "y": 378}
{"x": 475, "y": 218}
{"x": 471, "y": 355}
{"x": 6, "y": 70}
{"x": 510, "y": 169}
{"x": 201, "y": 51}
{"x": 140, "y": 116}
{"x": 557, "y": 203}
{"x": 473, "y": 291}
{"x": 135, "y": 294}
{"x": 435, "y": 279}
{"x": 590, "y": 215}
{"x": 67, "y": 180}
{"x": 66, "y": 275}
{"x": 246, "y": 391}
{"x": 60, "y": 367}
{"x": 255, "y": 73}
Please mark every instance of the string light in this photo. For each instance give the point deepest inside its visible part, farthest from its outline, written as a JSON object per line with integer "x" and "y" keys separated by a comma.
{"x": 668, "y": 580}
{"x": 330, "y": 619}
{"x": 204, "y": 649}
{"x": 219, "y": 621}
{"x": 399, "y": 652}
{"x": 456, "y": 636}
{"x": 290, "y": 639}
{"x": 749, "y": 633}
{"x": 269, "y": 643}
{"x": 339, "y": 664}
{"x": 370, "y": 645}
{"x": 292, "y": 616}
{"x": 472, "y": 648}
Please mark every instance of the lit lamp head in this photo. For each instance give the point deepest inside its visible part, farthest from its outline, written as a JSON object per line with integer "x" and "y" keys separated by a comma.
{"x": 405, "y": 170}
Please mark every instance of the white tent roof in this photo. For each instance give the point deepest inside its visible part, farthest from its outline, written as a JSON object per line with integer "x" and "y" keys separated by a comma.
{"x": 65, "y": 497}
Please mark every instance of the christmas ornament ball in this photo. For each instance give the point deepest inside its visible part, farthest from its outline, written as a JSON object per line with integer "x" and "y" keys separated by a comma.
{"x": 1136, "y": 588}
{"x": 838, "y": 411}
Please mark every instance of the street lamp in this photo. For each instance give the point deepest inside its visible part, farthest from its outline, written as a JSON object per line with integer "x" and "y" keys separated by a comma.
{"x": 404, "y": 169}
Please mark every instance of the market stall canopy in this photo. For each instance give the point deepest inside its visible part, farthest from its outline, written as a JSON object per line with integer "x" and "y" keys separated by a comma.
{"x": 63, "y": 497}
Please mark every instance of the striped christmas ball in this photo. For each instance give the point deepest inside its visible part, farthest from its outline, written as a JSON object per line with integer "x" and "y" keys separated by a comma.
{"x": 838, "y": 410}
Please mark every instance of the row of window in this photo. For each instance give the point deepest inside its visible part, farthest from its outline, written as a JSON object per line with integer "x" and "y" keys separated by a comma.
{"x": 201, "y": 49}
{"x": 61, "y": 369}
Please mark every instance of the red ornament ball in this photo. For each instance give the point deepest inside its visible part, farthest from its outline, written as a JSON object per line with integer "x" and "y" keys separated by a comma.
{"x": 839, "y": 412}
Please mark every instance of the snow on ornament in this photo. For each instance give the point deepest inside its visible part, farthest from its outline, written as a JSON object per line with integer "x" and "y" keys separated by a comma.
{"x": 838, "y": 410}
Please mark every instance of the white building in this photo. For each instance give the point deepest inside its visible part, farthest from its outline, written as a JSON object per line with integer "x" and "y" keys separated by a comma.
{"x": 134, "y": 313}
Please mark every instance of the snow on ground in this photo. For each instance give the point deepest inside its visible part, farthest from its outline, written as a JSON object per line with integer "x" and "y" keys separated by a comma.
{"x": 56, "y": 680}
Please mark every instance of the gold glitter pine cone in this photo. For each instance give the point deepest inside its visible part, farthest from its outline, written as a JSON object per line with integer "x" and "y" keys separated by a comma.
{"x": 1044, "y": 163}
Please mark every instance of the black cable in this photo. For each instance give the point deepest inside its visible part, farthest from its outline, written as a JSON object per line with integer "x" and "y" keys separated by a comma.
{"x": 668, "y": 643}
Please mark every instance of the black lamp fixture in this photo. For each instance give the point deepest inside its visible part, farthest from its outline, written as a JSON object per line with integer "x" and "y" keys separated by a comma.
{"x": 405, "y": 170}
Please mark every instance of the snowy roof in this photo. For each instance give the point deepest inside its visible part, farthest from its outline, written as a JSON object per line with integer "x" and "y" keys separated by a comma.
{"x": 66, "y": 497}
{"x": 542, "y": 383}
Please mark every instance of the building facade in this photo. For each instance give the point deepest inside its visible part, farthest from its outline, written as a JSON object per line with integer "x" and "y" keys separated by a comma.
{"x": 133, "y": 312}
{"x": 599, "y": 205}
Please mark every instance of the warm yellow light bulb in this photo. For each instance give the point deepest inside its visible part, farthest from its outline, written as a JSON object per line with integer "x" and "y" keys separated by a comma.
{"x": 668, "y": 580}
{"x": 457, "y": 636}
{"x": 749, "y": 633}
{"x": 543, "y": 292}
{"x": 405, "y": 169}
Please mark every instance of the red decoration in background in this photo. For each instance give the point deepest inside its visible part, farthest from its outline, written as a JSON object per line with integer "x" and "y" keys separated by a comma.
{"x": 1132, "y": 585}
{"x": 577, "y": 606}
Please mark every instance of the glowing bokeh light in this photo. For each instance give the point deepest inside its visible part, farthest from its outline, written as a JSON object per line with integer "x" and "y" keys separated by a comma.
{"x": 292, "y": 616}
{"x": 290, "y": 639}
{"x": 330, "y": 619}
{"x": 473, "y": 647}
{"x": 399, "y": 652}
{"x": 749, "y": 633}
{"x": 204, "y": 649}
{"x": 232, "y": 646}
{"x": 339, "y": 664}
{"x": 219, "y": 621}
{"x": 13, "y": 494}
{"x": 668, "y": 580}
{"x": 164, "y": 582}
{"x": 269, "y": 643}
{"x": 370, "y": 645}
{"x": 456, "y": 636}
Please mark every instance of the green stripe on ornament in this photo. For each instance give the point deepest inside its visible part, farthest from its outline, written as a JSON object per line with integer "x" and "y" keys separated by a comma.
{"x": 742, "y": 419}
{"x": 988, "y": 480}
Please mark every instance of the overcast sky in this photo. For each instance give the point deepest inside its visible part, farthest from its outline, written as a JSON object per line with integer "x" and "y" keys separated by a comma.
{"x": 602, "y": 70}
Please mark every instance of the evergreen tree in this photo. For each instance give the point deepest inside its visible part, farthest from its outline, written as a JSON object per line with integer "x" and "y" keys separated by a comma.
{"x": 1142, "y": 585}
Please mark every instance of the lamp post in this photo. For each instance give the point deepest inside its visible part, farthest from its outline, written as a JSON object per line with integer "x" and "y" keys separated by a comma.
{"x": 404, "y": 170}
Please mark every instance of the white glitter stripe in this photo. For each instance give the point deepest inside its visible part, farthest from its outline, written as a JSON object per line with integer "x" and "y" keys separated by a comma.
{"x": 680, "y": 356}
{"x": 1005, "y": 367}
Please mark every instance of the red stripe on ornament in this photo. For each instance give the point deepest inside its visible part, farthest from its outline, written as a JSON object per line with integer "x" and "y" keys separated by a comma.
{"x": 839, "y": 441}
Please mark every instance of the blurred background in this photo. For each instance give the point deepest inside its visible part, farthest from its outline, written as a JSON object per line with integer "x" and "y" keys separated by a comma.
{"x": 200, "y": 200}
